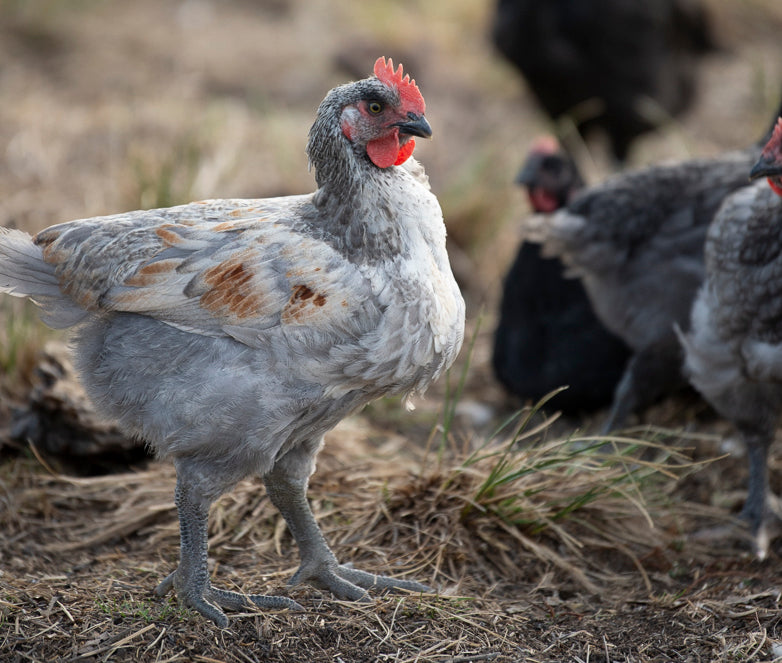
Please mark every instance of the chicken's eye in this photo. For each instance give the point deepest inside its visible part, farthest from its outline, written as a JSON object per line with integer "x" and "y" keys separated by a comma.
{"x": 375, "y": 107}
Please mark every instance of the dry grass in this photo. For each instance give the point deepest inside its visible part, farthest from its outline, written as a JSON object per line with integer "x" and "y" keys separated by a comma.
{"x": 543, "y": 549}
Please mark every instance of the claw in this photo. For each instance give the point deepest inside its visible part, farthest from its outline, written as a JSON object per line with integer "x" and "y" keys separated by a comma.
{"x": 166, "y": 585}
{"x": 275, "y": 602}
{"x": 213, "y": 599}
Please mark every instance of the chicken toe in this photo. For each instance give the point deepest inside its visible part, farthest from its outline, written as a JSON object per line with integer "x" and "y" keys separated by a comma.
{"x": 351, "y": 584}
{"x": 759, "y": 538}
{"x": 370, "y": 580}
{"x": 192, "y": 597}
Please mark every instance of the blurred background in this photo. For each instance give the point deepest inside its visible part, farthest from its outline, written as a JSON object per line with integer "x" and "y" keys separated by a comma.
{"x": 107, "y": 106}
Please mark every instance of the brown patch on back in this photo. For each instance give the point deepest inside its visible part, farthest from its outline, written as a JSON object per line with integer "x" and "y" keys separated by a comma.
{"x": 50, "y": 254}
{"x": 47, "y": 240}
{"x": 231, "y": 290}
{"x": 80, "y": 292}
{"x": 240, "y": 212}
{"x": 299, "y": 306}
{"x": 167, "y": 235}
{"x": 149, "y": 273}
{"x": 302, "y": 292}
{"x": 43, "y": 238}
{"x": 240, "y": 221}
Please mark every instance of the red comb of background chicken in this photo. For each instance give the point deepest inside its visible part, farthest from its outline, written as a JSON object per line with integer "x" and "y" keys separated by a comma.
{"x": 772, "y": 154}
{"x": 545, "y": 145}
{"x": 774, "y": 145}
{"x": 408, "y": 90}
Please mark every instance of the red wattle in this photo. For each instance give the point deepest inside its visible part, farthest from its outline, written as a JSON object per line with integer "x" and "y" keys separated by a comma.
{"x": 542, "y": 201}
{"x": 404, "y": 152}
{"x": 383, "y": 151}
{"x": 776, "y": 184}
{"x": 387, "y": 151}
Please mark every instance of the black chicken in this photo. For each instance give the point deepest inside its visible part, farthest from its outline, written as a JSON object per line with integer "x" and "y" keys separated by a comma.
{"x": 621, "y": 65}
{"x": 547, "y": 335}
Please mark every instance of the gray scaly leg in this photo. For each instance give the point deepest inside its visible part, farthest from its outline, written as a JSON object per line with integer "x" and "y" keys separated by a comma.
{"x": 763, "y": 522}
{"x": 191, "y": 578}
{"x": 319, "y": 567}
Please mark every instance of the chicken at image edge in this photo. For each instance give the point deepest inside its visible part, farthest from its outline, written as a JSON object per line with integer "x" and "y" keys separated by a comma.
{"x": 734, "y": 346}
{"x": 231, "y": 335}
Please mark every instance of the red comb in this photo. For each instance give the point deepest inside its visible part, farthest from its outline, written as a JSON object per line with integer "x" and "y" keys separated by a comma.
{"x": 408, "y": 90}
{"x": 545, "y": 145}
{"x": 774, "y": 145}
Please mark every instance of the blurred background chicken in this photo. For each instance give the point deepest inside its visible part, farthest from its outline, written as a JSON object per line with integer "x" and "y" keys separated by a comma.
{"x": 547, "y": 335}
{"x": 622, "y": 66}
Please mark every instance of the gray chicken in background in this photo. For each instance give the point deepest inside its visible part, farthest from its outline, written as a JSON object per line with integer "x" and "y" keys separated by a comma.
{"x": 231, "y": 335}
{"x": 636, "y": 243}
{"x": 734, "y": 346}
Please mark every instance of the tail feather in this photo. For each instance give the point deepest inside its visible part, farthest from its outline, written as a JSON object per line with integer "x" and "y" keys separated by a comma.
{"x": 559, "y": 234}
{"x": 24, "y": 273}
{"x": 534, "y": 228}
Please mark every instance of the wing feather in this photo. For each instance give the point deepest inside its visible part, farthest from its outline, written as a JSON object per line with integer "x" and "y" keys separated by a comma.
{"x": 210, "y": 268}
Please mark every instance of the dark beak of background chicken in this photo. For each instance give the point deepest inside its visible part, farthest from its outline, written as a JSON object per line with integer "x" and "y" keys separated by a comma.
{"x": 765, "y": 167}
{"x": 529, "y": 171}
{"x": 415, "y": 126}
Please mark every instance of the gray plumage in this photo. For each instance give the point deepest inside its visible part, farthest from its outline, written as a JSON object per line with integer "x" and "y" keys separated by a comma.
{"x": 230, "y": 335}
{"x": 636, "y": 242}
{"x": 734, "y": 347}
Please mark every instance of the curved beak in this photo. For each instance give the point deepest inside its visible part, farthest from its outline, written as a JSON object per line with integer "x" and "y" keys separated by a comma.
{"x": 767, "y": 166}
{"x": 416, "y": 125}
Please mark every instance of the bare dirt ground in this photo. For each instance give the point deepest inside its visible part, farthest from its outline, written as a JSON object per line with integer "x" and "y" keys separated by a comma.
{"x": 541, "y": 551}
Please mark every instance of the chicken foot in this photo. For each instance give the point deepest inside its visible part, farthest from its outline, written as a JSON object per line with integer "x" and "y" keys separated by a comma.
{"x": 319, "y": 566}
{"x": 759, "y": 522}
{"x": 191, "y": 578}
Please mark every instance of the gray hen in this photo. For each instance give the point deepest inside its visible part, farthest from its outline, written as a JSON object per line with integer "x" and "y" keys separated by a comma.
{"x": 636, "y": 242}
{"x": 734, "y": 347}
{"x": 230, "y": 335}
